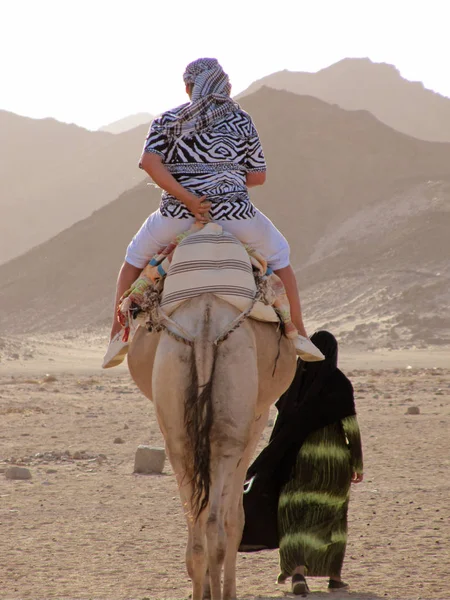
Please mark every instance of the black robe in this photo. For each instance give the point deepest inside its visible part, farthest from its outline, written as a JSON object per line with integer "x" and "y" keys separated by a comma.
{"x": 319, "y": 395}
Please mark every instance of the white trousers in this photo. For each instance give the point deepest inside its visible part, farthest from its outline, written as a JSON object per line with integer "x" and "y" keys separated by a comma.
{"x": 258, "y": 232}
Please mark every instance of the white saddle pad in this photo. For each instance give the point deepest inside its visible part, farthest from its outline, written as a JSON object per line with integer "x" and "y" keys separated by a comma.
{"x": 215, "y": 262}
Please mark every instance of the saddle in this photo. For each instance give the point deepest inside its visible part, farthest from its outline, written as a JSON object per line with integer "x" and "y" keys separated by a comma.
{"x": 206, "y": 259}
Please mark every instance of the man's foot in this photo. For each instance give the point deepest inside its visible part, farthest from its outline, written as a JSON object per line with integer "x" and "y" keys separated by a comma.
{"x": 116, "y": 352}
{"x": 299, "y": 585}
{"x": 306, "y": 350}
{"x": 333, "y": 584}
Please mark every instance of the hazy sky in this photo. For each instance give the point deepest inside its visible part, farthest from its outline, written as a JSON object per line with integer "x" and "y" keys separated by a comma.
{"x": 92, "y": 62}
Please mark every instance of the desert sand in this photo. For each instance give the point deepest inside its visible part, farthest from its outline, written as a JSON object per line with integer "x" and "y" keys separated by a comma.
{"x": 84, "y": 526}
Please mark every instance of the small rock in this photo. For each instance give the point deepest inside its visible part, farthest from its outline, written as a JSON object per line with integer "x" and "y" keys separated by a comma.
{"x": 17, "y": 473}
{"x": 48, "y": 378}
{"x": 51, "y": 471}
{"x": 77, "y": 455}
{"x": 126, "y": 426}
{"x": 413, "y": 410}
{"x": 149, "y": 460}
{"x": 119, "y": 440}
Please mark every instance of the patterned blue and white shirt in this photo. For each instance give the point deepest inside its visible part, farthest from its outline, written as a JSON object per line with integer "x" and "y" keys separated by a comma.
{"x": 213, "y": 163}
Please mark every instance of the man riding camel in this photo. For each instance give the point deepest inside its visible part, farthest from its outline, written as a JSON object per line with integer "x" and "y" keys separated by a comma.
{"x": 204, "y": 155}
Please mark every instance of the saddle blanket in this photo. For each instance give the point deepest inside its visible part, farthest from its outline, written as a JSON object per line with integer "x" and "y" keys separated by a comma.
{"x": 215, "y": 262}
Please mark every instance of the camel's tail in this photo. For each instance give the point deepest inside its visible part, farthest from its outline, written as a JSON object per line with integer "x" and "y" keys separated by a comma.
{"x": 198, "y": 416}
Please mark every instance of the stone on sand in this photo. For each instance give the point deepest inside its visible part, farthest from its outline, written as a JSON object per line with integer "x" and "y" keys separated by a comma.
{"x": 14, "y": 472}
{"x": 149, "y": 460}
{"x": 413, "y": 410}
{"x": 48, "y": 378}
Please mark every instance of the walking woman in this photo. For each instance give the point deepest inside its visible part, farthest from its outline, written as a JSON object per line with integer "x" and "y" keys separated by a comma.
{"x": 313, "y": 456}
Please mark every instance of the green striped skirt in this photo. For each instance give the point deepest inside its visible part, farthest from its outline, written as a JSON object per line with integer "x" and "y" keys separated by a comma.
{"x": 312, "y": 509}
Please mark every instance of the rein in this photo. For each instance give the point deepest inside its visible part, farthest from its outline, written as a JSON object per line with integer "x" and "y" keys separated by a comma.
{"x": 158, "y": 321}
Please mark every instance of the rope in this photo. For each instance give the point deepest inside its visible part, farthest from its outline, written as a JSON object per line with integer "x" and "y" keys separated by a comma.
{"x": 278, "y": 353}
{"x": 157, "y": 321}
{"x": 237, "y": 322}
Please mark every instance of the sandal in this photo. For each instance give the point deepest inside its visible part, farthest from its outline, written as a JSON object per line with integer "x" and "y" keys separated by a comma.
{"x": 306, "y": 350}
{"x": 282, "y": 577}
{"x": 299, "y": 585}
{"x": 116, "y": 352}
{"x": 337, "y": 585}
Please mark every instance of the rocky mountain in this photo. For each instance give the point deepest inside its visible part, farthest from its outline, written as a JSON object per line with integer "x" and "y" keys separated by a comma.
{"x": 360, "y": 84}
{"x": 128, "y": 123}
{"x": 53, "y": 174}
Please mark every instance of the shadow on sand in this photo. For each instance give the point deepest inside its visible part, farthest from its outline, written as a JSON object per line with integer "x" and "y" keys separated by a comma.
{"x": 323, "y": 596}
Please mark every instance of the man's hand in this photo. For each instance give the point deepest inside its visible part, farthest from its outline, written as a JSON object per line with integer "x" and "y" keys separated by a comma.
{"x": 154, "y": 166}
{"x": 199, "y": 207}
{"x": 357, "y": 477}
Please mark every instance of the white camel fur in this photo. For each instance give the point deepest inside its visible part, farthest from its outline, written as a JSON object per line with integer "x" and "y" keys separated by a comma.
{"x": 212, "y": 403}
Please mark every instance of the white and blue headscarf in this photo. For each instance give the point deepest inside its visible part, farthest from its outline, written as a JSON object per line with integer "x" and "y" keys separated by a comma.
{"x": 207, "y": 78}
{"x": 210, "y": 98}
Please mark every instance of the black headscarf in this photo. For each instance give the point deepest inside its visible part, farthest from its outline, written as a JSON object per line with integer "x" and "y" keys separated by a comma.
{"x": 319, "y": 395}
{"x": 305, "y": 391}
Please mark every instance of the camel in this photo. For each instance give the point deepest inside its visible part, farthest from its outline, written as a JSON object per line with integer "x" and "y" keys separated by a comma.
{"x": 212, "y": 401}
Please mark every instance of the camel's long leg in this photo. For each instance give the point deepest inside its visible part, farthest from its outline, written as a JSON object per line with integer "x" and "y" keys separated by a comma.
{"x": 198, "y": 556}
{"x": 196, "y": 551}
{"x": 235, "y": 517}
{"x": 234, "y": 397}
{"x": 215, "y": 532}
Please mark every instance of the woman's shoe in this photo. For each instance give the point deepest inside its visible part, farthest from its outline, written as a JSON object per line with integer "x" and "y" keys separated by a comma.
{"x": 116, "y": 352}
{"x": 306, "y": 350}
{"x": 334, "y": 585}
{"x": 282, "y": 577}
{"x": 299, "y": 585}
